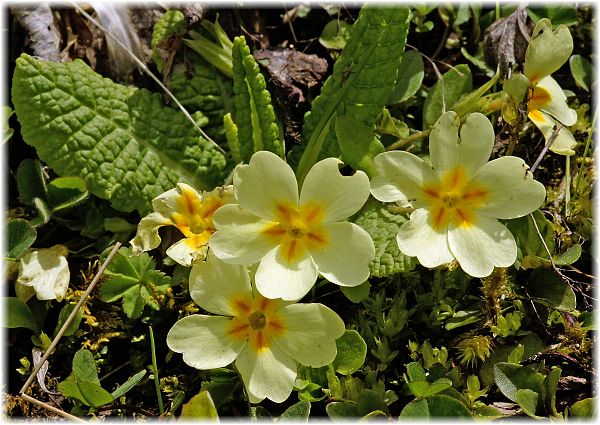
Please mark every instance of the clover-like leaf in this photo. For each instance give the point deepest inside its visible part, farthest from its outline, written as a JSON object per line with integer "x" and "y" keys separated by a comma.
{"x": 351, "y": 353}
{"x": 133, "y": 279}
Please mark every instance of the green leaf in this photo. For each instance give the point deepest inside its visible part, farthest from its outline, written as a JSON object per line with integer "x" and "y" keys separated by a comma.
{"x": 296, "y": 412}
{"x": 363, "y": 77}
{"x": 410, "y": 77}
{"x": 129, "y": 384}
{"x": 30, "y": 181}
{"x": 370, "y": 401}
{"x": 547, "y": 285}
{"x": 7, "y": 132}
{"x": 84, "y": 367}
{"x": 169, "y": 25}
{"x": 254, "y": 116}
{"x": 528, "y": 400}
{"x": 20, "y": 236}
{"x": 511, "y": 377}
{"x": 127, "y": 145}
{"x": 528, "y": 241}
{"x": 64, "y": 315}
{"x": 551, "y": 385}
{"x": 218, "y": 52}
{"x": 90, "y": 394}
{"x": 383, "y": 225}
{"x": 351, "y": 353}
{"x": 359, "y": 156}
{"x": 582, "y": 72}
{"x": 134, "y": 279}
{"x": 559, "y": 14}
{"x": 358, "y": 293}
{"x": 341, "y": 411}
{"x": 434, "y": 407}
{"x": 446, "y": 92}
{"x": 568, "y": 257}
{"x": 200, "y": 406}
{"x": 66, "y": 192}
{"x": 18, "y": 315}
{"x": 335, "y": 34}
{"x": 199, "y": 87}
{"x": 422, "y": 389}
{"x": 415, "y": 372}
{"x": 583, "y": 408}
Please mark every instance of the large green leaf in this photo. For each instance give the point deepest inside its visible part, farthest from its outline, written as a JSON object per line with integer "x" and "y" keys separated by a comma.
{"x": 296, "y": 412}
{"x": 383, "y": 225}
{"x": 363, "y": 78}
{"x": 410, "y": 76}
{"x": 20, "y": 236}
{"x": 510, "y": 377}
{"x": 546, "y": 285}
{"x": 127, "y": 145}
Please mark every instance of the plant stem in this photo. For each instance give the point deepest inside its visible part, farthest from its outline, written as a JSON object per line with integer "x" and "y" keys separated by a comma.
{"x": 557, "y": 128}
{"x": 567, "y": 184}
{"x": 161, "y": 407}
{"x": 413, "y": 137}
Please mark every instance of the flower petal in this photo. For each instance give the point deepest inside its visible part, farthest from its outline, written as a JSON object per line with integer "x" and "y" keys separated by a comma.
{"x": 267, "y": 181}
{"x": 147, "y": 237}
{"x": 310, "y": 333}
{"x": 512, "y": 191}
{"x": 547, "y": 51}
{"x": 482, "y": 246}
{"x": 47, "y": 271}
{"x": 240, "y": 237}
{"x": 400, "y": 177}
{"x": 470, "y": 151}
{"x": 166, "y": 203}
{"x": 339, "y": 196}
{"x": 563, "y": 143}
{"x": 417, "y": 238}
{"x": 277, "y": 278}
{"x": 204, "y": 342}
{"x": 267, "y": 373}
{"x": 184, "y": 253}
{"x": 557, "y": 103}
{"x": 216, "y": 286}
{"x": 346, "y": 257}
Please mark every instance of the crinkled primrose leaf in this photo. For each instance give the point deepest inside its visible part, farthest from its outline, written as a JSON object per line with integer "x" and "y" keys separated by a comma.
{"x": 127, "y": 145}
{"x": 383, "y": 225}
{"x": 364, "y": 76}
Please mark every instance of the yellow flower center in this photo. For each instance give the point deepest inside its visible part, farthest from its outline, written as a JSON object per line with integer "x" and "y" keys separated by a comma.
{"x": 454, "y": 199}
{"x": 538, "y": 99}
{"x": 297, "y": 230}
{"x": 193, "y": 216}
{"x": 257, "y": 321}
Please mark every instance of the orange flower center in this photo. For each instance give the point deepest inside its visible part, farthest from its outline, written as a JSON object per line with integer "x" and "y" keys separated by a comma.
{"x": 454, "y": 199}
{"x": 297, "y": 230}
{"x": 194, "y": 215}
{"x": 257, "y": 321}
{"x": 539, "y": 98}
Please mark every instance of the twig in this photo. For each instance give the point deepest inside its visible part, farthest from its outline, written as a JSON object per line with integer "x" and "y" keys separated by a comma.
{"x": 144, "y": 68}
{"x": 51, "y": 408}
{"x": 402, "y": 143}
{"x": 71, "y": 317}
{"x": 557, "y": 128}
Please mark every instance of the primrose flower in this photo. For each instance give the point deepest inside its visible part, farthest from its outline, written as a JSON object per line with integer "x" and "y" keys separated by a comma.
{"x": 294, "y": 237}
{"x": 46, "y": 270}
{"x": 458, "y": 201}
{"x": 547, "y": 51}
{"x": 264, "y": 337}
{"x": 191, "y": 213}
